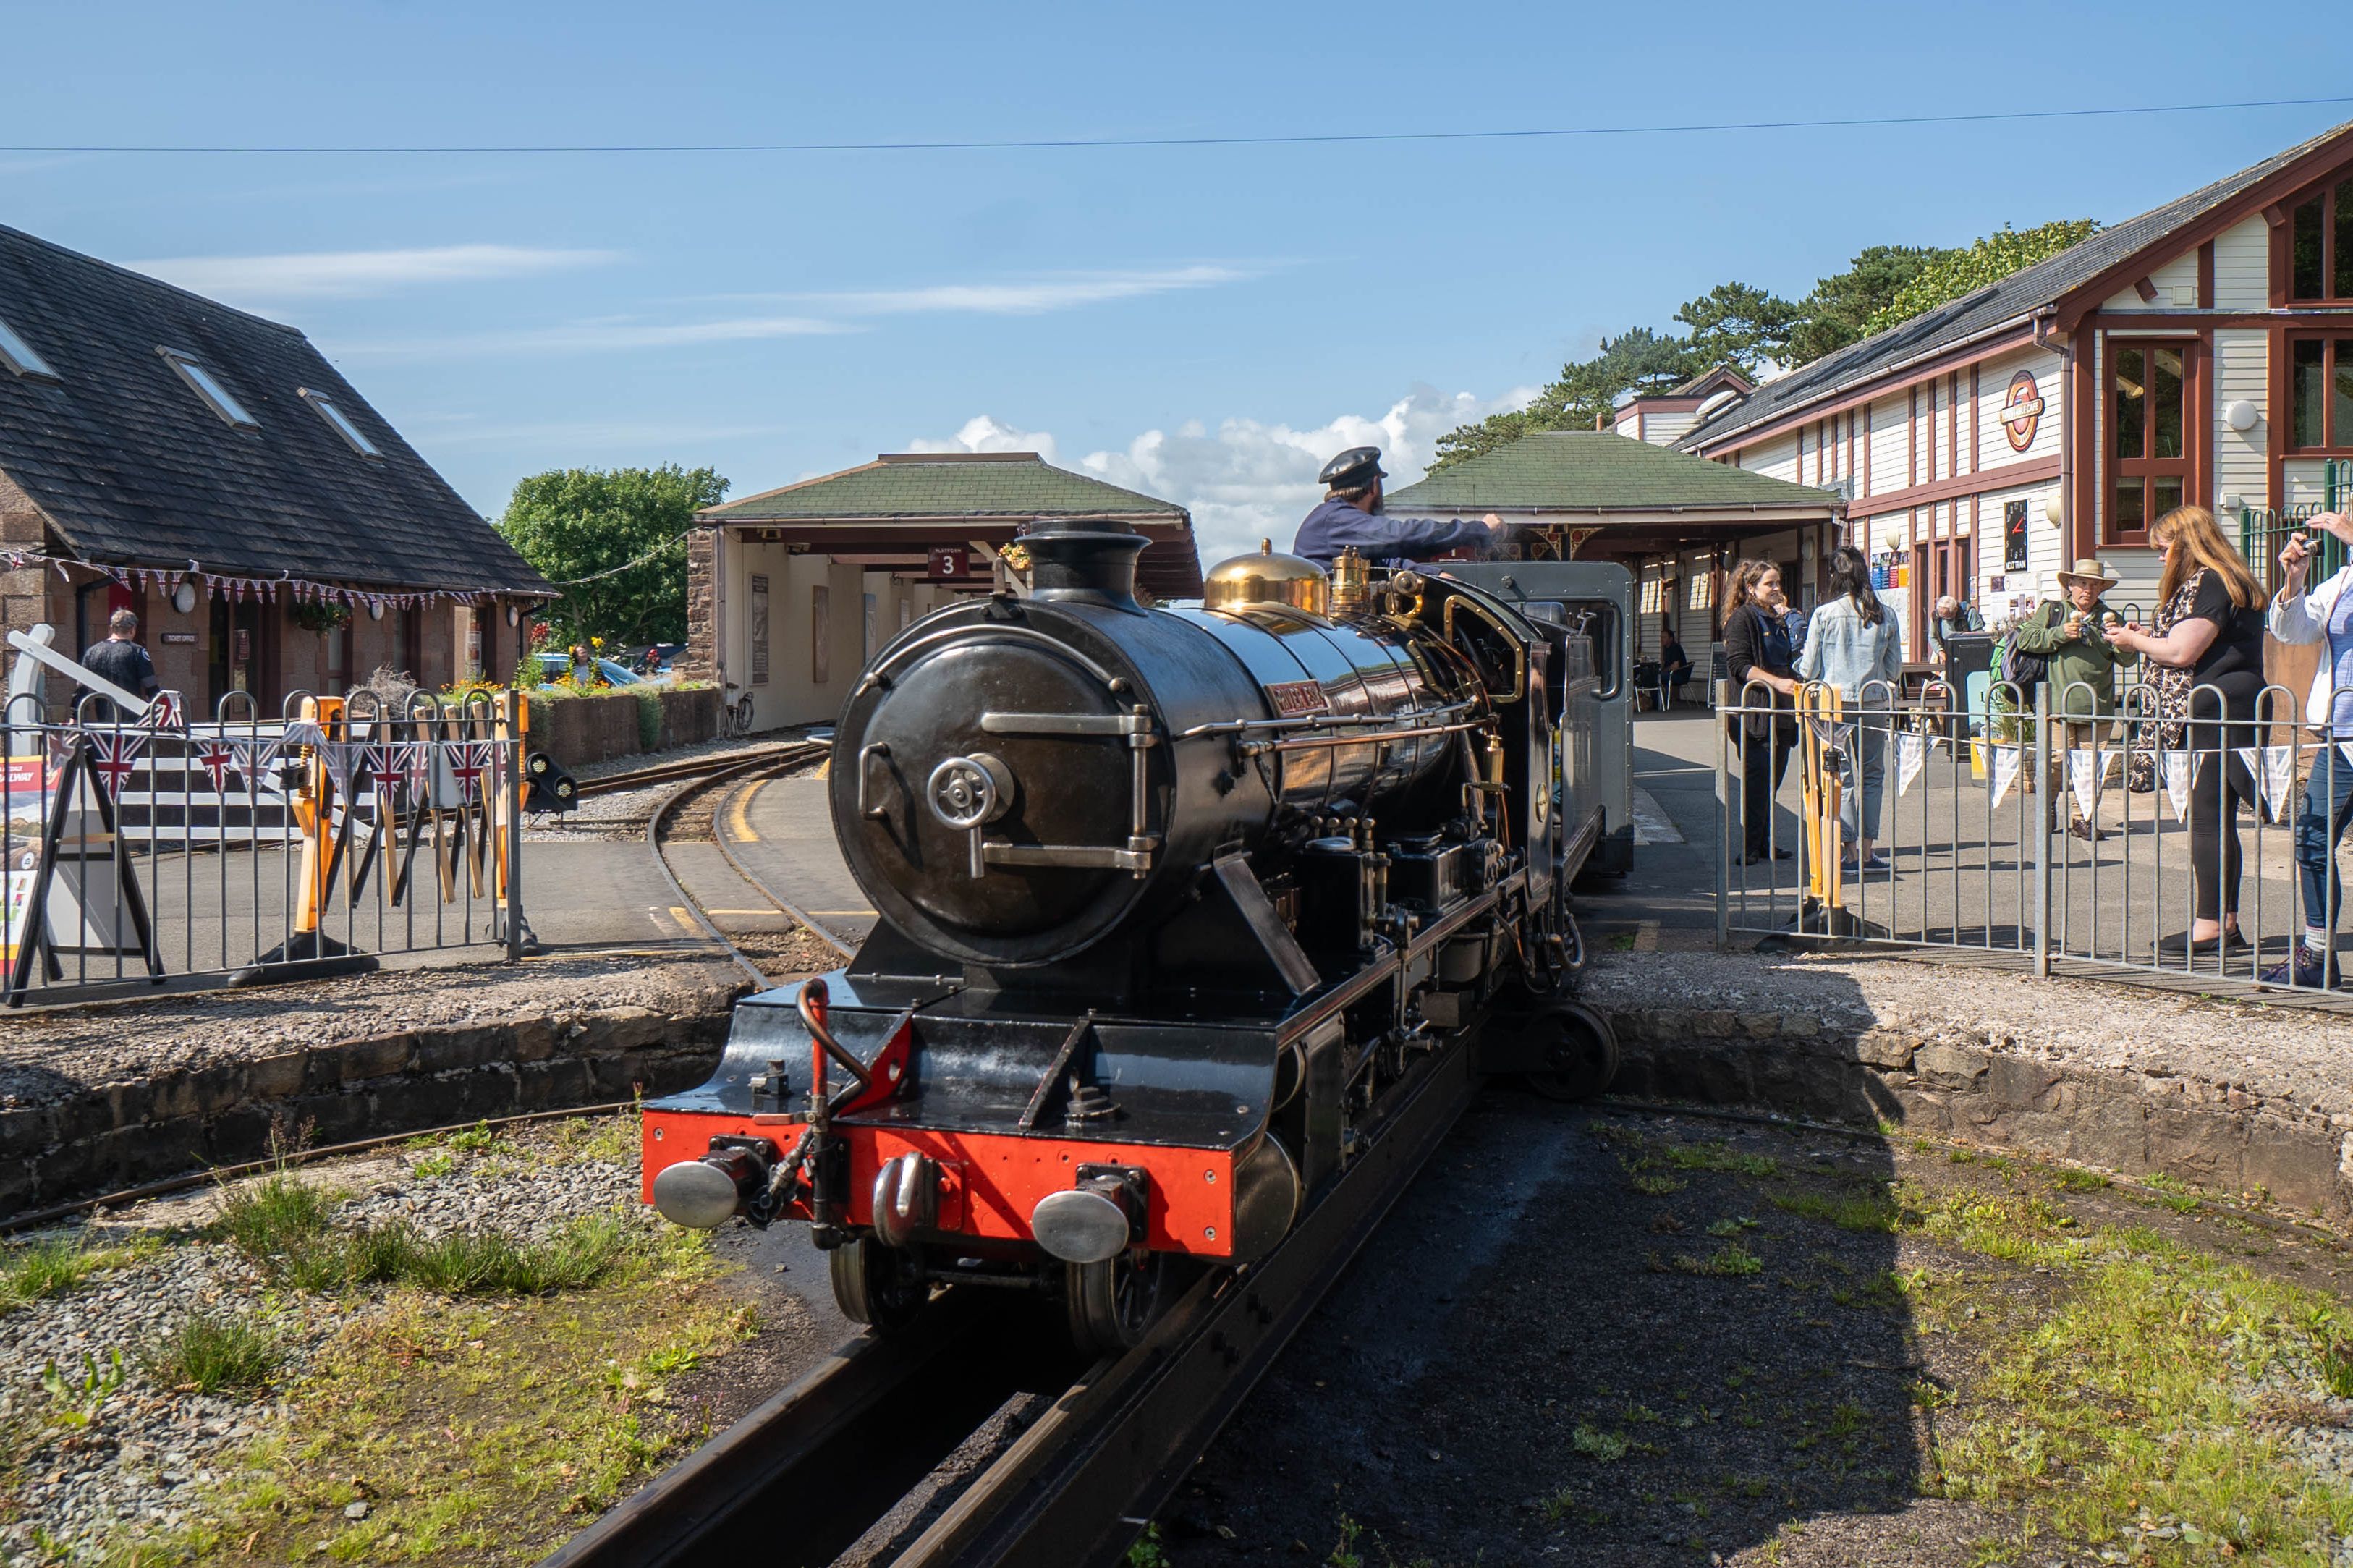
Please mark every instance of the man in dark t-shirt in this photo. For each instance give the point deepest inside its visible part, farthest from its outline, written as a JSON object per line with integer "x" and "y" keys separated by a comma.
{"x": 121, "y": 660}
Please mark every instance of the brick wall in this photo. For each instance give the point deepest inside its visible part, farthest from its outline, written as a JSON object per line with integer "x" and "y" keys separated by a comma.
{"x": 700, "y": 660}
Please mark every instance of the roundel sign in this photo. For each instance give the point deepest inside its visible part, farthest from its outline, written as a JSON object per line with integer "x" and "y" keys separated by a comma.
{"x": 2022, "y": 411}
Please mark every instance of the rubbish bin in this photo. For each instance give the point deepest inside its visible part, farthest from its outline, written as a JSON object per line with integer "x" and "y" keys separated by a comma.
{"x": 1968, "y": 670}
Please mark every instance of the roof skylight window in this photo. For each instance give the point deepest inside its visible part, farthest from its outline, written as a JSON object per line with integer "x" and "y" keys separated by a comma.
{"x": 342, "y": 422}
{"x": 19, "y": 355}
{"x": 209, "y": 387}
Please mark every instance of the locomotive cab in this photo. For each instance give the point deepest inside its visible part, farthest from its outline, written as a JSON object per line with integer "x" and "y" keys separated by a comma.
{"x": 1172, "y": 903}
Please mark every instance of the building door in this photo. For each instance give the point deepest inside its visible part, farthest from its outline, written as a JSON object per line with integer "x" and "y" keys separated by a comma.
{"x": 244, "y": 656}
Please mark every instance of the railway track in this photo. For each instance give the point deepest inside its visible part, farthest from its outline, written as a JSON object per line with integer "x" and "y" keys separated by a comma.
{"x": 734, "y": 775}
{"x": 691, "y": 768}
{"x": 886, "y": 1452}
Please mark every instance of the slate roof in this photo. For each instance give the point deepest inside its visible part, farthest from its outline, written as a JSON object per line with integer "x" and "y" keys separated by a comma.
{"x": 1000, "y": 488}
{"x": 1596, "y": 470}
{"x": 1995, "y": 305}
{"x": 132, "y": 467}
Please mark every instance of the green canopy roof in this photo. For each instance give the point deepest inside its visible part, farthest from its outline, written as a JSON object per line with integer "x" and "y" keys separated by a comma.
{"x": 945, "y": 484}
{"x": 1594, "y": 470}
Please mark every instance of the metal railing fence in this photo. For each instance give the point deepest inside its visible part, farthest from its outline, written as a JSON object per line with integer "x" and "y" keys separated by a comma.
{"x": 2037, "y": 825}
{"x": 141, "y": 850}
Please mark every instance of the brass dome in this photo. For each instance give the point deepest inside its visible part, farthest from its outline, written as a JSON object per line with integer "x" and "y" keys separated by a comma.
{"x": 1267, "y": 578}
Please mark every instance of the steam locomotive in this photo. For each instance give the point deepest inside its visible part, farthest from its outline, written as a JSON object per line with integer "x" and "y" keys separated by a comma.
{"x": 1171, "y": 902}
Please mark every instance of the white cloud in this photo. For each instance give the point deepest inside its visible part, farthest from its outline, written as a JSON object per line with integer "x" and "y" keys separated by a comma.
{"x": 1029, "y": 297}
{"x": 985, "y": 432}
{"x": 601, "y": 336}
{"x": 337, "y": 274}
{"x": 1249, "y": 480}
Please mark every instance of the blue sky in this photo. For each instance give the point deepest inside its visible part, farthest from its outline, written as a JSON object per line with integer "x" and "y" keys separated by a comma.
{"x": 1206, "y": 323}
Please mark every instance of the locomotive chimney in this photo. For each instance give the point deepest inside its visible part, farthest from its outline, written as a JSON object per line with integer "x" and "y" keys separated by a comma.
{"x": 1087, "y": 558}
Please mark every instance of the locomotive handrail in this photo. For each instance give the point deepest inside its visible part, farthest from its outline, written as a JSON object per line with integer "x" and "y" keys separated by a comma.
{"x": 1312, "y": 741}
{"x": 1321, "y": 721}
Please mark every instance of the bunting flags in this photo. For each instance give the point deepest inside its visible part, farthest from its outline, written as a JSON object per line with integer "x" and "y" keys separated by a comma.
{"x": 164, "y": 714}
{"x": 1910, "y": 756}
{"x": 2273, "y": 772}
{"x": 467, "y": 763}
{"x": 255, "y": 756}
{"x": 237, "y": 590}
{"x": 216, "y": 758}
{"x": 2176, "y": 782}
{"x": 417, "y": 767}
{"x": 2004, "y": 770}
{"x": 115, "y": 754}
{"x": 2087, "y": 769}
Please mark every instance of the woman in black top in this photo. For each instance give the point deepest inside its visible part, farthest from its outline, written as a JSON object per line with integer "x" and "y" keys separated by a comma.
{"x": 1756, "y": 649}
{"x": 2214, "y": 610}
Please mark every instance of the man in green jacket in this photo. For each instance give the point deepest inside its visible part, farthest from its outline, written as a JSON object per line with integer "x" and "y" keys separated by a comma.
{"x": 2071, "y": 632}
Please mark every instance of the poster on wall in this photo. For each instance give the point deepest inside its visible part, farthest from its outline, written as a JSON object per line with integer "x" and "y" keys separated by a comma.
{"x": 759, "y": 629}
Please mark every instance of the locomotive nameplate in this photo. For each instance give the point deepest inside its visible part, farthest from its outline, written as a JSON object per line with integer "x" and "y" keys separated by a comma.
{"x": 1293, "y": 698}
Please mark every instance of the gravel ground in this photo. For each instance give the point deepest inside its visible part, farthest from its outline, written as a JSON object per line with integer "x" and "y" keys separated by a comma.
{"x": 149, "y": 1450}
{"x": 52, "y": 1054}
{"x": 2301, "y": 1057}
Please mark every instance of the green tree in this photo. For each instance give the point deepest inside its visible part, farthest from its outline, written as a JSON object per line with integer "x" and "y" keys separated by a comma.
{"x": 574, "y": 523}
{"x": 1987, "y": 260}
{"x": 1756, "y": 330}
{"x": 1834, "y": 314}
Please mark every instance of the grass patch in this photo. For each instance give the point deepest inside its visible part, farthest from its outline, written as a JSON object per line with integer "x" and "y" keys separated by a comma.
{"x": 1602, "y": 1447}
{"x": 55, "y": 1264}
{"x": 2151, "y": 1390}
{"x": 1850, "y": 1211}
{"x": 1656, "y": 1183}
{"x": 2073, "y": 1181}
{"x": 209, "y": 1354}
{"x": 1730, "y": 1261}
{"x": 485, "y": 1430}
{"x": 1717, "y": 1156}
{"x": 277, "y": 1216}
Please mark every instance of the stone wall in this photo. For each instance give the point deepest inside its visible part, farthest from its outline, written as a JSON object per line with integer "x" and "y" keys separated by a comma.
{"x": 118, "y": 1135}
{"x": 2226, "y": 1138}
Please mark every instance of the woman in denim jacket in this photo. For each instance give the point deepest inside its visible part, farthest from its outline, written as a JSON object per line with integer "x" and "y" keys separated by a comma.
{"x": 1852, "y": 645}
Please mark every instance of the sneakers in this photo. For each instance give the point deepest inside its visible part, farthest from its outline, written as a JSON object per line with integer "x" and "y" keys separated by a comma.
{"x": 2304, "y": 969}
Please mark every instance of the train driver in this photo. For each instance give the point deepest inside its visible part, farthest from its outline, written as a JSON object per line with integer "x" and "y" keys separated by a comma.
{"x": 1350, "y": 514}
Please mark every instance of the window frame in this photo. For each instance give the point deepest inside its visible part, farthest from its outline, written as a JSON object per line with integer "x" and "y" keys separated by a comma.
{"x": 210, "y": 389}
{"x": 2146, "y": 468}
{"x": 27, "y": 363}
{"x": 2335, "y": 268}
{"x": 340, "y": 422}
{"x": 2334, "y": 442}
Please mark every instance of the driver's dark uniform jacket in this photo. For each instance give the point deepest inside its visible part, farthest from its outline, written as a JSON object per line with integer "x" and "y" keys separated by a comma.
{"x": 1335, "y": 525}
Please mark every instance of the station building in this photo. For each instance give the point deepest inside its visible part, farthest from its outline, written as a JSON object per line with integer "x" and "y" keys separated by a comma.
{"x": 791, "y": 591}
{"x": 2202, "y": 353}
{"x": 1679, "y": 523}
{"x": 209, "y": 470}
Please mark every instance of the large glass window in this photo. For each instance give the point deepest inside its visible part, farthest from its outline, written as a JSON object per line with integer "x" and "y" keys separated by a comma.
{"x": 2320, "y": 393}
{"x": 2150, "y": 406}
{"x": 2320, "y": 245}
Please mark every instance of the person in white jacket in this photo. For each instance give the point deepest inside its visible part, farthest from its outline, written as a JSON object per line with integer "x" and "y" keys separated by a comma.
{"x": 2324, "y": 615}
{"x": 1853, "y": 646}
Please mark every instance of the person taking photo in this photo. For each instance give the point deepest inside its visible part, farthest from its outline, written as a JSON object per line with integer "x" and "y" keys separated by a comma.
{"x": 2322, "y": 614}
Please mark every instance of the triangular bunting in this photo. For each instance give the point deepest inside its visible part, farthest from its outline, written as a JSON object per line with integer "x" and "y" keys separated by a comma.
{"x": 2176, "y": 782}
{"x": 2278, "y": 780}
{"x": 1910, "y": 756}
{"x": 113, "y": 755}
{"x": 2005, "y": 771}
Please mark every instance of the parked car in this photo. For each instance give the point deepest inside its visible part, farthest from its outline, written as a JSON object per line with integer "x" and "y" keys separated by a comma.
{"x": 558, "y": 666}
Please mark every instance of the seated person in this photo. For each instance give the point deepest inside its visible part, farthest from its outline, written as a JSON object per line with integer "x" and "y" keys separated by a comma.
{"x": 1675, "y": 671}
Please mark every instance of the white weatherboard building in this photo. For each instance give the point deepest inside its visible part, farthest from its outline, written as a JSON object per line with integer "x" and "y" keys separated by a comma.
{"x": 2202, "y": 353}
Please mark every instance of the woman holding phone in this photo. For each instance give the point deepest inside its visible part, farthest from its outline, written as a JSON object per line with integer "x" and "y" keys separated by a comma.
{"x": 1756, "y": 650}
{"x": 2324, "y": 615}
{"x": 2215, "y": 611}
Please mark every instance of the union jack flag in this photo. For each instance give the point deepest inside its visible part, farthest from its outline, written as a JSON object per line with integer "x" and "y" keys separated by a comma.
{"x": 114, "y": 754}
{"x": 468, "y": 762}
{"x": 416, "y": 766}
{"x": 216, "y": 758}
{"x": 164, "y": 714}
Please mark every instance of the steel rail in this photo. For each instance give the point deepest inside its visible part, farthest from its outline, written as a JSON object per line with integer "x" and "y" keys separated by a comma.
{"x": 1078, "y": 1484}
{"x": 691, "y": 767}
{"x": 760, "y": 885}
{"x": 735, "y": 767}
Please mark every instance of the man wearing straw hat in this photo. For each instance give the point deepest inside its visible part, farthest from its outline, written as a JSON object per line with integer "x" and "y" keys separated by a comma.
{"x": 2071, "y": 633}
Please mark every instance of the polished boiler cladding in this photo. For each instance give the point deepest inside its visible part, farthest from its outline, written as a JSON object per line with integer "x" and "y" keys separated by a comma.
{"x": 1171, "y": 901}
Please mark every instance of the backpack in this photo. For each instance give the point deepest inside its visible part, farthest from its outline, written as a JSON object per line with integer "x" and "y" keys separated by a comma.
{"x": 2012, "y": 664}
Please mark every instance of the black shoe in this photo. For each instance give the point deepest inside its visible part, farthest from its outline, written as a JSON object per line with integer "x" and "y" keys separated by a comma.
{"x": 2179, "y": 945}
{"x": 2305, "y": 970}
{"x": 1783, "y": 853}
{"x": 2086, "y": 832}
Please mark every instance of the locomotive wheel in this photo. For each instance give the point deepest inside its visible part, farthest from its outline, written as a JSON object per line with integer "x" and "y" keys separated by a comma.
{"x": 1113, "y": 1304}
{"x": 1580, "y": 1051}
{"x": 870, "y": 1285}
